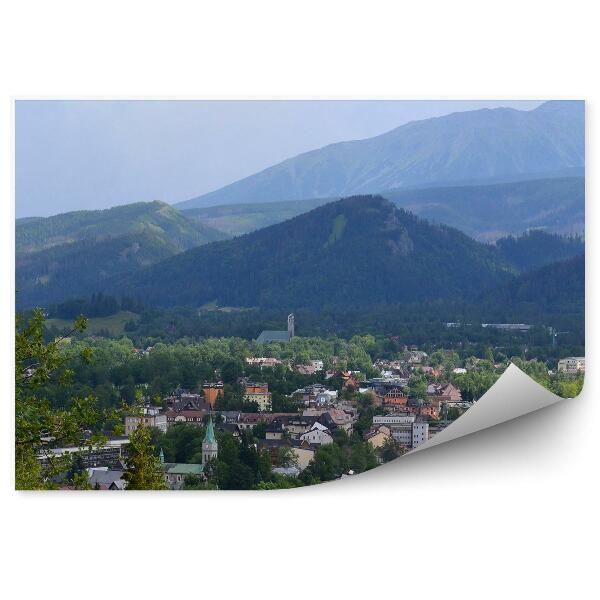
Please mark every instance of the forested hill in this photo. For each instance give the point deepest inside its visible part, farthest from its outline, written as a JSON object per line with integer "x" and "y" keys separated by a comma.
{"x": 359, "y": 251}
{"x": 156, "y": 218}
{"x": 80, "y": 250}
{"x": 535, "y": 249}
{"x": 557, "y": 284}
{"x": 487, "y": 144}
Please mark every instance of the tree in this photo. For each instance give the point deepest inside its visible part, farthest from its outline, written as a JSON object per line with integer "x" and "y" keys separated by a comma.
{"x": 144, "y": 471}
{"x": 389, "y": 450}
{"x": 417, "y": 387}
{"x": 286, "y": 457}
{"x": 38, "y": 426}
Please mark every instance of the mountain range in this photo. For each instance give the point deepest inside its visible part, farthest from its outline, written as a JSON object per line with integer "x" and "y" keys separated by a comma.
{"x": 358, "y": 251}
{"x": 486, "y": 144}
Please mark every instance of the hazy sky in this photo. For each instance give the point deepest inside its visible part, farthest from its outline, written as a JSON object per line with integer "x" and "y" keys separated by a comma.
{"x": 73, "y": 155}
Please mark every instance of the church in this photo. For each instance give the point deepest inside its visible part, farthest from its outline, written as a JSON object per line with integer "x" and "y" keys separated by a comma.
{"x": 278, "y": 336}
{"x": 175, "y": 473}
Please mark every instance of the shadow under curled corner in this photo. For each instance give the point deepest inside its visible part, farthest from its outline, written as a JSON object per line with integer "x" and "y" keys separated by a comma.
{"x": 513, "y": 395}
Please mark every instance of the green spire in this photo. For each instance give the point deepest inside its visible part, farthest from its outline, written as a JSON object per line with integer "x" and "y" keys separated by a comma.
{"x": 161, "y": 456}
{"x": 209, "y": 438}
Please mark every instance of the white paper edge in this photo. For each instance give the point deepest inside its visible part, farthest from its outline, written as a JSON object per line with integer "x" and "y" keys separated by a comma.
{"x": 513, "y": 395}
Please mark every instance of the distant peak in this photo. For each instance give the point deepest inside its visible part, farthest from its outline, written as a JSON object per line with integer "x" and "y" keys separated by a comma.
{"x": 561, "y": 106}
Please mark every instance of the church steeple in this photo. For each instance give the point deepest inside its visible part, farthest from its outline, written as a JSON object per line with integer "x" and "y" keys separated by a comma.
{"x": 210, "y": 448}
{"x": 161, "y": 456}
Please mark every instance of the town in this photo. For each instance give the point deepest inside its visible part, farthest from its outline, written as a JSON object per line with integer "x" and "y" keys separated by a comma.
{"x": 362, "y": 420}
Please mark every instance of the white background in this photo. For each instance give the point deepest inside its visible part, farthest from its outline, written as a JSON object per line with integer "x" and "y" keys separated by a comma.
{"x": 510, "y": 512}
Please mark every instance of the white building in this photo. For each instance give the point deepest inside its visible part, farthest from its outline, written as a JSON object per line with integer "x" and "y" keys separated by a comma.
{"x": 151, "y": 418}
{"x": 573, "y": 365}
{"x": 405, "y": 429}
{"x": 318, "y": 435}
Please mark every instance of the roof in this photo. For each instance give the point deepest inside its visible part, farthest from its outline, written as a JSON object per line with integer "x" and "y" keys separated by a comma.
{"x": 104, "y": 477}
{"x": 273, "y": 336}
{"x": 209, "y": 438}
{"x": 185, "y": 469}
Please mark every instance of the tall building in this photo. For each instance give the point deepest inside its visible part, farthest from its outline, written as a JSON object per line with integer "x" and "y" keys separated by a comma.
{"x": 259, "y": 393}
{"x": 210, "y": 448}
{"x": 291, "y": 326}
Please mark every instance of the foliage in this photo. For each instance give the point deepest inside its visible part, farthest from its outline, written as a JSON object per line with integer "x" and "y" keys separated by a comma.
{"x": 70, "y": 255}
{"x": 143, "y": 468}
{"x": 39, "y": 426}
{"x": 389, "y": 450}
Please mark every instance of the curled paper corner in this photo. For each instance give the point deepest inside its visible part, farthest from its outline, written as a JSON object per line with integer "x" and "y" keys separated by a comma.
{"x": 513, "y": 395}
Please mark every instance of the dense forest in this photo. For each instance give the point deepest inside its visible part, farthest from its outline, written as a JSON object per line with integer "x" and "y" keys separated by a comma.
{"x": 360, "y": 251}
{"x": 488, "y": 212}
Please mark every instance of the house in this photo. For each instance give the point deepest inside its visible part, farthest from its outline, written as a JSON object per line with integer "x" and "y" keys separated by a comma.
{"x": 304, "y": 452}
{"x": 230, "y": 416}
{"x": 181, "y": 399}
{"x": 151, "y": 418}
{"x": 306, "y": 369}
{"x": 349, "y": 380}
{"x": 232, "y": 428}
{"x": 259, "y": 393}
{"x": 212, "y": 391}
{"x": 416, "y": 357}
{"x": 451, "y": 393}
{"x": 272, "y": 447}
{"x": 194, "y": 417}
{"x": 317, "y": 435}
{"x": 394, "y": 397}
{"x": 377, "y": 436}
{"x": 296, "y": 424}
{"x": 102, "y": 478}
{"x": 573, "y": 365}
{"x": 263, "y": 361}
{"x": 340, "y": 418}
{"x": 275, "y": 430}
{"x": 432, "y": 371}
{"x": 249, "y": 420}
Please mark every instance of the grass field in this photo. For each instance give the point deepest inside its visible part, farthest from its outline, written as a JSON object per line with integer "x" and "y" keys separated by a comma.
{"x": 113, "y": 323}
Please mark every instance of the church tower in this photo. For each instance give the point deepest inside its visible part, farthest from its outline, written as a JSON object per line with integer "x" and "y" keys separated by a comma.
{"x": 291, "y": 326}
{"x": 210, "y": 448}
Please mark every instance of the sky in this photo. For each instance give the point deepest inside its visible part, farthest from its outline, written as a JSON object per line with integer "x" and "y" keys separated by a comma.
{"x": 84, "y": 154}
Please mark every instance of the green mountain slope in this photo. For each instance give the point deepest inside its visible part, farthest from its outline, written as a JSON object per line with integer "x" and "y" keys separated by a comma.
{"x": 535, "y": 249}
{"x": 155, "y": 218}
{"x": 360, "y": 251}
{"x": 464, "y": 146}
{"x": 557, "y": 284}
{"x": 68, "y": 255}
